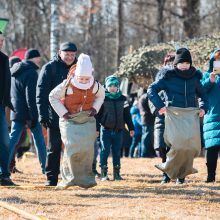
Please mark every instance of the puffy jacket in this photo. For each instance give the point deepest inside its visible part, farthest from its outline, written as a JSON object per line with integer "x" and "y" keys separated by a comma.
{"x": 182, "y": 88}
{"x": 23, "y": 91}
{"x": 52, "y": 74}
{"x": 114, "y": 113}
{"x": 211, "y": 122}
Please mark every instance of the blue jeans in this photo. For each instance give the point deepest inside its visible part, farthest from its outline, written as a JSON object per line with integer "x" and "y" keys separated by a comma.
{"x": 39, "y": 143}
{"x": 136, "y": 142}
{"x": 110, "y": 140}
{"x": 4, "y": 145}
{"x": 147, "y": 148}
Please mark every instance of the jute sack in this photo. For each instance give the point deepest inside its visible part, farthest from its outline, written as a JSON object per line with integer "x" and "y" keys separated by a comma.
{"x": 182, "y": 135}
{"x": 78, "y": 135}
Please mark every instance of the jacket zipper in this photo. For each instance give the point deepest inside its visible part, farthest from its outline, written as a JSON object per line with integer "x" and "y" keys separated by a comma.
{"x": 186, "y": 104}
{"x": 116, "y": 118}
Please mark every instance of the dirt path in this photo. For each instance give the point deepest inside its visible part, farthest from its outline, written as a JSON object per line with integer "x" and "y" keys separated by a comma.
{"x": 139, "y": 196}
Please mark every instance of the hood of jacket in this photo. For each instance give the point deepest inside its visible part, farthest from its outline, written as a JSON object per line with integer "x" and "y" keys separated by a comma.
{"x": 211, "y": 60}
{"x": 20, "y": 67}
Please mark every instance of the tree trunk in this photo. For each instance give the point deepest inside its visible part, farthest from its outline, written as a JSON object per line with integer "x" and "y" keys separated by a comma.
{"x": 160, "y": 19}
{"x": 191, "y": 16}
{"x": 119, "y": 32}
{"x": 54, "y": 32}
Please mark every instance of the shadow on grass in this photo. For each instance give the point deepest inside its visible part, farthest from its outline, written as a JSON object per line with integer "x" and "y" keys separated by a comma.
{"x": 181, "y": 191}
{"x": 17, "y": 200}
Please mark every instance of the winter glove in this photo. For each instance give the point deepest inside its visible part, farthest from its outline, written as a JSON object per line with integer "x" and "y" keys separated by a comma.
{"x": 92, "y": 112}
{"x": 32, "y": 123}
{"x": 45, "y": 123}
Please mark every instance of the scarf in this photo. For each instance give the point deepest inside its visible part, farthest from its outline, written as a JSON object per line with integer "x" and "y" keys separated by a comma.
{"x": 82, "y": 86}
{"x": 186, "y": 74}
{"x": 113, "y": 95}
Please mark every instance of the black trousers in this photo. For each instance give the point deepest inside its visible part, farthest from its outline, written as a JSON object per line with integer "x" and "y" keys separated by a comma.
{"x": 54, "y": 147}
{"x": 212, "y": 158}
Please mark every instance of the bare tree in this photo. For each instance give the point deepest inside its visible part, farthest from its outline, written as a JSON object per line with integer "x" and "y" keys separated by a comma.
{"x": 119, "y": 33}
{"x": 160, "y": 20}
{"x": 191, "y": 16}
{"x": 54, "y": 33}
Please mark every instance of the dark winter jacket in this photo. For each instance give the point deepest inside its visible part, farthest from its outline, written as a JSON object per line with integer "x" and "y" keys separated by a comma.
{"x": 147, "y": 118}
{"x": 52, "y": 74}
{"x": 23, "y": 91}
{"x": 5, "y": 81}
{"x": 114, "y": 113}
{"x": 211, "y": 122}
{"x": 182, "y": 89}
{"x": 178, "y": 91}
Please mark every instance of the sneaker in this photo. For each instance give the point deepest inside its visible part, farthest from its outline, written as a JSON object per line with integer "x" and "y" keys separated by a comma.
{"x": 180, "y": 181}
{"x": 7, "y": 182}
{"x": 165, "y": 179}
{"x": 50, "y": 183}
{"x": 96, "y": 173}
{"x": 104, "y": 173}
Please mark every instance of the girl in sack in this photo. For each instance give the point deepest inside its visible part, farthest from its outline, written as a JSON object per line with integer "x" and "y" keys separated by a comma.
{"x": 76, "y": 101}
{"x": 182, "y": 110}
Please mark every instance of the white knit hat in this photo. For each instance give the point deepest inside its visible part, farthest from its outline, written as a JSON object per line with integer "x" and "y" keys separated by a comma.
{"x": 84, "y": 66}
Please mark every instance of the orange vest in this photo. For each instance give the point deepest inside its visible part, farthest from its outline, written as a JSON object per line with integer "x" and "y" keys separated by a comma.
{"x": 80, "y": 100}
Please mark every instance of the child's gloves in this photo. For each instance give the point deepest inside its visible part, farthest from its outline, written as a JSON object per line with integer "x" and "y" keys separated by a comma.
{"x": 92, "y": 112}
{"x": 67, "y": 116}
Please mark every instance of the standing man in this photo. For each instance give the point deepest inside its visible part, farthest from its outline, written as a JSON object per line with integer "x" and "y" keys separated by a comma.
{"x": 5, "y": 84}
{"x": 23, "y": 95}
{"x": 52, "y": 74}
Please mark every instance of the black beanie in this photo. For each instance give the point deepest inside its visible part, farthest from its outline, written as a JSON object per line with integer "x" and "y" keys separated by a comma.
{"x": 31, "y": 53}
{"x": 13, "y": 60}
{"x": 182, "y": 55}
{"x": 68, "y": 46}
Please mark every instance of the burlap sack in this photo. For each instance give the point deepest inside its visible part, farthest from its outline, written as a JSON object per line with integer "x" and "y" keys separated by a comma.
{"x": 182, "y": 135}
{"x": 78, "y": 154}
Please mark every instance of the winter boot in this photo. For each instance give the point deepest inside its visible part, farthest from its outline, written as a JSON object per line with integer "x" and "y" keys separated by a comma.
{"x": 94, "y": 170}
{"x": 116, "y": 173}
{"x": 165, "y": 179}
{"x": 211, "y": 173}
{"x": 180, "y": 180}
{"x": 104, "y": 173}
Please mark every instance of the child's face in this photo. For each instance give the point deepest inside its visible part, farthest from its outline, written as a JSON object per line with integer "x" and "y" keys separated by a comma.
{"x": 112, "y": 88}
{"x": 83, "y": 79}
{"x": 183, "y": 66}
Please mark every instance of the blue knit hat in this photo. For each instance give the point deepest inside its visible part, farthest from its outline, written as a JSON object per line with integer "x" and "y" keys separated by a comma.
{"x": 112, "y": 80}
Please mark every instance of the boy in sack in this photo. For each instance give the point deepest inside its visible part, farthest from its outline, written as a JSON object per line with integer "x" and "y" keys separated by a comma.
{"x": 76, "y": 101}
{"x": 113, "y": 115}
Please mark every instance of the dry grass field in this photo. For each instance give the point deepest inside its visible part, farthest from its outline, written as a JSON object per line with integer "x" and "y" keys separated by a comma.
{"x": 139, "y": 196}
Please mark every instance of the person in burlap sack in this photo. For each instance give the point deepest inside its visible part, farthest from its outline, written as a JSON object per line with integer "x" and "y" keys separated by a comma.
{"x": 182, "y": 111}
{"x": 76, "y": 101}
